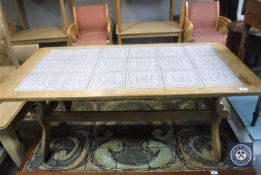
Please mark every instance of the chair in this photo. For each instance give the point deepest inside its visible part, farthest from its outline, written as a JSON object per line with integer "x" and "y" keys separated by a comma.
{"x": 10, "y": 112}
{"x": 92, "y": 25}
{"x": 203, "y": 23}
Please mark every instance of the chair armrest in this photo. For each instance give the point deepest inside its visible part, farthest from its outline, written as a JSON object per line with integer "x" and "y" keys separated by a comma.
{"x": 222, "y": 25}
{"x": 188, "y": 28}
{"x": 109, "y": 32}
{"x": 72, "y": 33}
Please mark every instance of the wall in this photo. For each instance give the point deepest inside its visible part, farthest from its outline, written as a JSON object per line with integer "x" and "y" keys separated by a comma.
{"x": 240, "y": 5}
{"x": 42, "y": 13}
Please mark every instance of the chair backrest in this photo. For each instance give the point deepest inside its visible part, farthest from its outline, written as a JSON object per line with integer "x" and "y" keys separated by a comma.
{"x": 4, "y": 53}
{"x": 90, "y": 18}
{"x": 7, "y": 55}
{"x": 203, "y": 14}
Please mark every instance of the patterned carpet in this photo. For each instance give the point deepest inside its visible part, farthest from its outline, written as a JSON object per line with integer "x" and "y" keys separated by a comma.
{"x": 121, "y": 147}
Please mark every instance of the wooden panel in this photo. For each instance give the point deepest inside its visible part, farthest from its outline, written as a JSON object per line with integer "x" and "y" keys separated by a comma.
{"x": 40, "y": 35}
{"x": 253, "y": 15}
{"x": 143, "y": 28}
{"x": 132, "y": 116}
{"x": 251, "y": 82}
{"x": 8, "y": 111}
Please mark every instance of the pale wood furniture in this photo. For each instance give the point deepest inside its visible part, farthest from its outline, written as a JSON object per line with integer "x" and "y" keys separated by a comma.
{"x": 252, "y": 19}
{"x": 252, "y": 86}
{"x": 8, "y": 56}
{"x": 9, "y": 111}
{"x": 203, "y": 21}
{"x": 87, "y": 30}
{"x": 150, "y": 29}
{"x": 39, "y": 35}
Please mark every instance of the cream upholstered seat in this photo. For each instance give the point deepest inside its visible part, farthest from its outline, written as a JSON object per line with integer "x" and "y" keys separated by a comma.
{"x": 92, "y": 25}
{"x": 203, "y": 23}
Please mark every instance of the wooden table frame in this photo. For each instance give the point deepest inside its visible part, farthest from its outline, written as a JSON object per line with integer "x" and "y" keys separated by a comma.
{"x": 214, "y": 114}
{"x": 150, "y": 29}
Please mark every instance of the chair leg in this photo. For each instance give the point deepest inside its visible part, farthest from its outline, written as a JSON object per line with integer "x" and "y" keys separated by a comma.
{"x": 256, "y": 114}
{"x": 119, "y": 40}
{"x": 179, "y": 38}
{"x": 12, "y": 145}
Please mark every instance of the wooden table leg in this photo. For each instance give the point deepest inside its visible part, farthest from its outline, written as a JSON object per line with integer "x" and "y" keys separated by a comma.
{"x": 12, "y": 145}
{"x": 45, "y": 125}
{"x": 216, "y": 145}
{"x": 68, "y": 105}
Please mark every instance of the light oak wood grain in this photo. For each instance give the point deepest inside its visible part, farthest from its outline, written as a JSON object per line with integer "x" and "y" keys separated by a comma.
{"x": 166, "y": 28}
{"x": 39, "y": 35}
{"x": 155, "y": 27}
{"x": 247, "y": 77}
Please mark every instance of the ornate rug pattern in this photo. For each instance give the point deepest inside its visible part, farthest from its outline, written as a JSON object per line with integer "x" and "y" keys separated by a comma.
{"x": 121, "y": 147}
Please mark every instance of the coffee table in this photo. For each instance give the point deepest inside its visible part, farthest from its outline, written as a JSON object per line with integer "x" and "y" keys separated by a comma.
{"x": 163, "y": 71}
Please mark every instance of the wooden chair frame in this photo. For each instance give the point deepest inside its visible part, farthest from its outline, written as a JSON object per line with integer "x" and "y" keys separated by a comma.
{"x": 221, "y": 25}
{"x": 73, "y": 31}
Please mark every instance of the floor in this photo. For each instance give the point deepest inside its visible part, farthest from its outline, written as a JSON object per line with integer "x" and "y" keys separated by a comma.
{"x": 240, "y": 121}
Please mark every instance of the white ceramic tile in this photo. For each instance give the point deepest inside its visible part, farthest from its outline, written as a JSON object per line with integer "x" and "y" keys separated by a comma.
{"x": 110, "y": 80}
{"x": 181, "y": 78}
{"x": 142, "y": 52}
{"x": 49, "y": 66}
{"x": 72, "y": 69}
{"x": 114, "y": 53}
{"x": 79, "y": 66}
{"x": 220, "y": 78}
{"x": 138, "y": 64}
{"x": 72, "y": 81}
{"x": 111, "y": 65}
{"x": 144, "y": 80}
{"x": 209, "y": 62}
{"x": 200, "y": 50}
{"x": 167, "y": 51}
{"x": 59, "y": 54}
{"x": 175, "y": 63}
{"x": 36, "y": 82}
{"x": 86, "y": 53}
